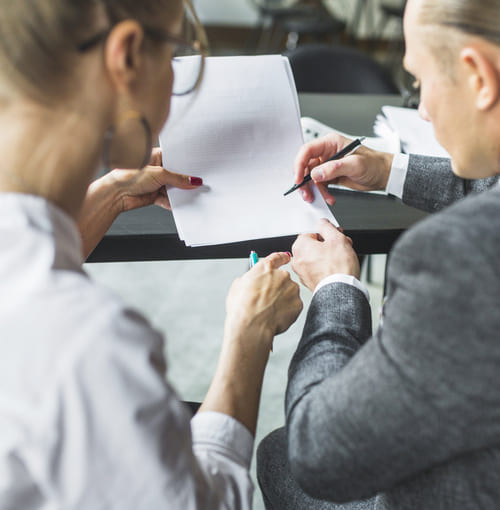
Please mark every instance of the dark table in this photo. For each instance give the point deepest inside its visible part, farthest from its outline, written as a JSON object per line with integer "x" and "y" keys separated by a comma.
{"x": 374, "y": 222}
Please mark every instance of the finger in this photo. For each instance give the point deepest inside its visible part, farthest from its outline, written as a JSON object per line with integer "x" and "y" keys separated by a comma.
{"x": 301, "y": 240}
{"x": 323, "y": 189}
{"x": 309, "y": 152}
{"x": 331, "y": 170}
{"x": 306, "y": 193}
{"x": 302, "y": 237}
{"x": 177, "y": 180}
{"x": 328, "y": 231}
{"x": 306, "y": 190}
{"x": 277, "y": 259}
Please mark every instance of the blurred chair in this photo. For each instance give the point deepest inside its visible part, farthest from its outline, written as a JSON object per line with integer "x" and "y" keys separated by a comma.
{"x": 339, "y": 70}
{"x": 393, "y": 11}
{"x": 291, "y": 19}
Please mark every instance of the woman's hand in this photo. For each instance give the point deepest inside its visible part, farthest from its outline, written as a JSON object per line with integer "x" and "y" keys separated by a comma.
{"x": 124, "y": 190}
{"x": 316, "y": 256}
{"x": 140, "y": 188}
{"x": 263, "y": 302}
{"x": 363, "y": 170}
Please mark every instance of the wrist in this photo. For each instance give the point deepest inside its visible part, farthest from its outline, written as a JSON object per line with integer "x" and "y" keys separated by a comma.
{"x": 343, "y": 278}
{"x": 106, "y": 193}
{"x": 117, "y": 185}
{"x": 248, "y": 335}
{"x": 387, "y": 159}
{"x": 100, "y": 208}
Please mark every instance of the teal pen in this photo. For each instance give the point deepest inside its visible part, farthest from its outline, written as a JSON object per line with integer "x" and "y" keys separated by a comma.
{"x": 254, "y": 258}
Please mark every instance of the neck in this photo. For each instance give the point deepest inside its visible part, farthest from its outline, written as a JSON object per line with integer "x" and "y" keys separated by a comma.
{"x": 50, "y": 152}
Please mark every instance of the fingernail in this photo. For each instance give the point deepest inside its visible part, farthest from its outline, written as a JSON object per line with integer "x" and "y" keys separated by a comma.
{"x": 196, "y": 181}
{"x": 289, "y": 254}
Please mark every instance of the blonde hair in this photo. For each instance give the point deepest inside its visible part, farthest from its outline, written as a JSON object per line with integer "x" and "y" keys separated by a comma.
{"x": 40, "y": 38}
{"x": 460, "y": 17}
{"x": 472, "y": 17}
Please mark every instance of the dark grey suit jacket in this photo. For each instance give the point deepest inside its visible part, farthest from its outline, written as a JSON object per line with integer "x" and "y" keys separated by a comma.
{"x": 411, "y": 415}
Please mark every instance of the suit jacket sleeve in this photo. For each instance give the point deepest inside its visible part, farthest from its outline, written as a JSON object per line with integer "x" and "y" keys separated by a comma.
{"x": 431, "y": 185}
{"x": 365, "y": 414}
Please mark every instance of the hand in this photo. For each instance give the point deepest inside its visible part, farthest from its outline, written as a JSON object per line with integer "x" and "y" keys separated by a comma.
{"x": 139, "y": 188}
{"x": 363, "y": 170}
{"x": 263, "y": 302}
{"x": 316, "y": 256}
{"x": 122, "y": 190}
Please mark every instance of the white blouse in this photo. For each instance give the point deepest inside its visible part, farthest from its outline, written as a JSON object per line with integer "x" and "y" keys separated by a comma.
{"x": 87, "y": 418}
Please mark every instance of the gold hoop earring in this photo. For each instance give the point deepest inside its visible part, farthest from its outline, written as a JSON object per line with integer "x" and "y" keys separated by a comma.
{"x": 111, "y": 131}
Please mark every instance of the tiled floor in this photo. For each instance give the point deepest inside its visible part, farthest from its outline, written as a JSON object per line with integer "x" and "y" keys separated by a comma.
{"x": 186, "y": 301}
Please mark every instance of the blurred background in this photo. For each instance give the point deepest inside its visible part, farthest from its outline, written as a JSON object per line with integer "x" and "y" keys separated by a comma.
{"x": 373, "y": 27}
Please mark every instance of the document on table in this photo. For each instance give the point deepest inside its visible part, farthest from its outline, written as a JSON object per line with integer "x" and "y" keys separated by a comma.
{"x": 240, "y": 131}
{"x": 416, "y": 134}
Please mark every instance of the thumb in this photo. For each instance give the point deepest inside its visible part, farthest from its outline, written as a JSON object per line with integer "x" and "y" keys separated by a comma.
{"x": 330, "y": 170}
{"x": 328, "y": 231}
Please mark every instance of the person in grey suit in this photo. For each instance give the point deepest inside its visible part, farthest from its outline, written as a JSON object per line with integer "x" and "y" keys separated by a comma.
{"x": 409, "y": 417}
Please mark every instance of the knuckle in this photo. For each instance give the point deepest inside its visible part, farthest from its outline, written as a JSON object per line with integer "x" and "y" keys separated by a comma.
{"x": 268, "y": 265}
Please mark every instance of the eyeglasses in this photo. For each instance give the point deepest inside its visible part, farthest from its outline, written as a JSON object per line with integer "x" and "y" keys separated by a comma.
{"x": 188, "y": 60}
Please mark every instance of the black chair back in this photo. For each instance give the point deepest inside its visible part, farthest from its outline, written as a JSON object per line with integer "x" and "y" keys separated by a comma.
{"x": 338, "y": 70}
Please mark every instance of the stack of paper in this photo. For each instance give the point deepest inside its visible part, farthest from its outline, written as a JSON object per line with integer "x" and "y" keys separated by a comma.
{"x": 240, "y": 131}
{"x": 416, "y": 135}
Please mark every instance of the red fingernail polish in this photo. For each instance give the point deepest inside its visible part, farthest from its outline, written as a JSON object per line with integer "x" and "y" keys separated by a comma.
{"x": 196, "y": 181}
{"x": 289, "y": 254}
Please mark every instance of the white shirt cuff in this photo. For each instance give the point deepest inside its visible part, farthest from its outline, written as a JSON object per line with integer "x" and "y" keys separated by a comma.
{"x": 397, "y": 177}
{"x": 226, "y": 435}
{"x": 343, "y": 278}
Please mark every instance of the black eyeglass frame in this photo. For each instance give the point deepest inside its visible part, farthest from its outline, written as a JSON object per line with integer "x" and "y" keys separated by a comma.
{"x": 159, "y": 35}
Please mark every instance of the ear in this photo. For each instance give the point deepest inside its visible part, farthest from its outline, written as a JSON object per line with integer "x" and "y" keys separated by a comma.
{"x": 122, "y": 54}
{"x": 483, "y": 77}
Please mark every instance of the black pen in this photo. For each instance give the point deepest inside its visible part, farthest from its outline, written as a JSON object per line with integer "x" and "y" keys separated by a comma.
{"x": 344, "y": 152}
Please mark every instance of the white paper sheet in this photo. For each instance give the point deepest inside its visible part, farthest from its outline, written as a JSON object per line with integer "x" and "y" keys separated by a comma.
{"x": 240, "y": 132}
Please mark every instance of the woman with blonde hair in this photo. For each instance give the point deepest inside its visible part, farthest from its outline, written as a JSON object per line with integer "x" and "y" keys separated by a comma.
{"x": 408, "y": 418}
{"x": 87, "y": 418}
